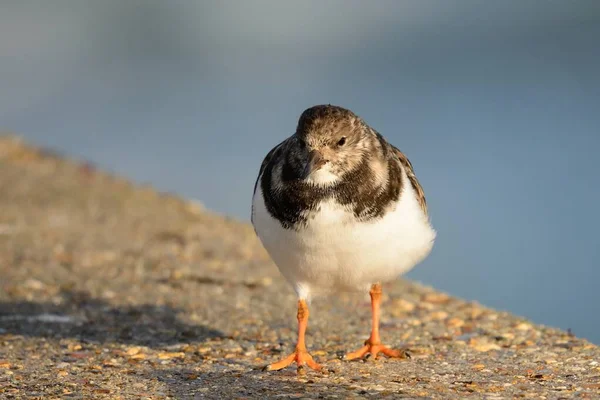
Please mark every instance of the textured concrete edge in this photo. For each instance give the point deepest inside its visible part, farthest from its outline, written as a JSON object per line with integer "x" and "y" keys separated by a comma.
{"x": 16, "y": 149}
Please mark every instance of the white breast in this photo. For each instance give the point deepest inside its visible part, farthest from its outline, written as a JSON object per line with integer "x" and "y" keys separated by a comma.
{"x": 335, "y": 252}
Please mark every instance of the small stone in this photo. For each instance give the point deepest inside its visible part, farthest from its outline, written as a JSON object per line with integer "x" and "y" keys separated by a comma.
{"x": 266, "y": 281}
{"x": 523, "y": 326}
{"x": 195, "y": 207}
{"x": 439, "y": 315}
{"x": 34, "y": 284}
{"x": 455, "y": 322}
{"x": 483, "y": 345}
{"x": 402, "y": 305}
{"x": 111, "y": 363}
{"x": 74, "y": 346}
{"x": 168, "y": 356}
{"x": 133, "y": 351}
{"x": 436, "y": 298}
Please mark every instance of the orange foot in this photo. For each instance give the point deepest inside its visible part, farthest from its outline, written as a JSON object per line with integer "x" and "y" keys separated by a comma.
{"x": 301, "y": 357}
{"x": 374, "y": 349}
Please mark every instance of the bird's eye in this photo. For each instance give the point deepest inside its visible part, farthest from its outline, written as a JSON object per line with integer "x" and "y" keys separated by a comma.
{"x": 342, "y": 141}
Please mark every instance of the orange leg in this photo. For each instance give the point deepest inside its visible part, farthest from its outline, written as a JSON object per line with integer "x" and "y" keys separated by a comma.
{"x": 300, "y": 355}
{"x": 373, "y": 345}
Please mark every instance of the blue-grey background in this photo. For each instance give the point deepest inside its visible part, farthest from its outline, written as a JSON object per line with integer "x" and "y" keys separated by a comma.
{"x": 497, "y": 104}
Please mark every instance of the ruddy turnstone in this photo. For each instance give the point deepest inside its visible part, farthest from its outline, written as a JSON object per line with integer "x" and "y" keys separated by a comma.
{"x": 338, "y": 208}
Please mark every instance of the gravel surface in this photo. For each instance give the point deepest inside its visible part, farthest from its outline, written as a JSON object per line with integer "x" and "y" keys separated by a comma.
{"x": 113, "y": 290}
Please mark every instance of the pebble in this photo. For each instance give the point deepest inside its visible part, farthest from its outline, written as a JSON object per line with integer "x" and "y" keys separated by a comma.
{"x": 523, "y": 326}
{"x": 438, "y": 315}
{"x": 170, "y": 355}
{"x": 482, "y": 344}
{"x": 436, "y": 298}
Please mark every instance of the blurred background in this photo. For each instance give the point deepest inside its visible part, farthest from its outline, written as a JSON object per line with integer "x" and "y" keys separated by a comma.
{"x": 497, "y": 104}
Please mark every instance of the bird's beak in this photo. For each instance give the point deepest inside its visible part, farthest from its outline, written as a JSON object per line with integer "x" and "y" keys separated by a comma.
{"x": 315, "y": 162}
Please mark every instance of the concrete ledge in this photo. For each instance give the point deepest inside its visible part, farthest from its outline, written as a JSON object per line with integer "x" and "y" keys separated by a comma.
{"x": 112, "y": 290}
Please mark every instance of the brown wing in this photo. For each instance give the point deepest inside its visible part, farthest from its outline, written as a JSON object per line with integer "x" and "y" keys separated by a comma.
{"x": 412, "y": 178}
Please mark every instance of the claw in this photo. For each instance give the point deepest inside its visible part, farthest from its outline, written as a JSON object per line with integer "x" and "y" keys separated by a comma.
{"x": 373, "y": 350}
{"x": 300, "y": 357}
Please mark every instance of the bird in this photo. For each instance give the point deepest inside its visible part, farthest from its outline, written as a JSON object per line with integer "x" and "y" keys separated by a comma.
{"x": 339, "y": 209}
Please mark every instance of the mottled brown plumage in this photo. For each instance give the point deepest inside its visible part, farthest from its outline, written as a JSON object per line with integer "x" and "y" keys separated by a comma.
{"x": 368, "y": 191}
{"x": 410, "y": 172}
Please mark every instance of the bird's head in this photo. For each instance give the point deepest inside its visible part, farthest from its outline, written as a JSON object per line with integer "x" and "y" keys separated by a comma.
{"x": 329, "y": 142}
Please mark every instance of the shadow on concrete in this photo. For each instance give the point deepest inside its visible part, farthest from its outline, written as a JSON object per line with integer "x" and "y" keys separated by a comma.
{"x": 249, "y": 384}
{"x": 79, "y": 316}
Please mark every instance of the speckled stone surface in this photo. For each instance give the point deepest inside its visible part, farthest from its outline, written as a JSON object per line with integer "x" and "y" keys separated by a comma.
{"x": 112, "y": 290}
